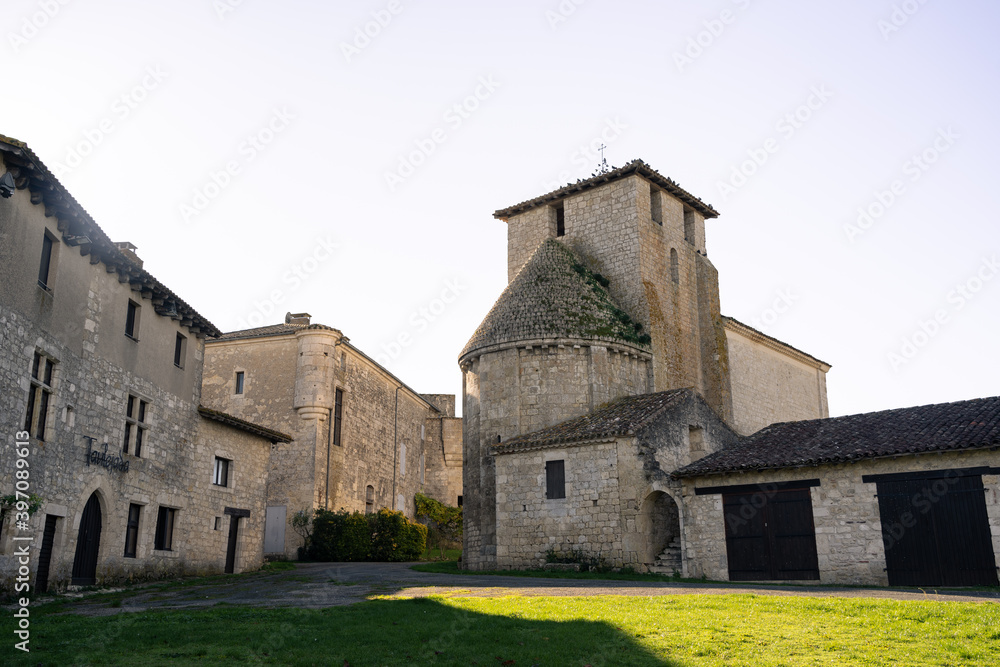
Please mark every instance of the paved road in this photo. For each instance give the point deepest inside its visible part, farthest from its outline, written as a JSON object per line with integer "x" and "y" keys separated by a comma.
{"x": 318, "y": 585}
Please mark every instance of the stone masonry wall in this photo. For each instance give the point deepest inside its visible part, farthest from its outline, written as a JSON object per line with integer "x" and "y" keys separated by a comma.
{"x": 845, "y": 513}
{"x": 771, "y": 387}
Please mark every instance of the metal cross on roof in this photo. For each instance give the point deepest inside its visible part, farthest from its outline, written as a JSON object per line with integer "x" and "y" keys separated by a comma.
{"x": 602, "y": 168}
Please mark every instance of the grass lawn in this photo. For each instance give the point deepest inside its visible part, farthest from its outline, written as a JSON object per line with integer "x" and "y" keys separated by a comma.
{"x": 610, "y": 630}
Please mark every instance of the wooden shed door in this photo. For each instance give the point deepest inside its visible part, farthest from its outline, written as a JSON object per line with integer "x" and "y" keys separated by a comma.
{"x": 936, "y": 532}
{"x": 770, "y": 535}
{"x": 45, "y": 555}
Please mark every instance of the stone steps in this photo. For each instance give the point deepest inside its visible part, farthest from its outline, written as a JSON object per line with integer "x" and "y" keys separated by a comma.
{"x": 669, "y": 561}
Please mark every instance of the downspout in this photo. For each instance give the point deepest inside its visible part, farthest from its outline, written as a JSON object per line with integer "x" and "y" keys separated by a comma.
{"x": 329, "y": 427}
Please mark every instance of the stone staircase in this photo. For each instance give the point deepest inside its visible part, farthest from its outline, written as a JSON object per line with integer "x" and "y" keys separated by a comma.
{"x": 669, "y": 561}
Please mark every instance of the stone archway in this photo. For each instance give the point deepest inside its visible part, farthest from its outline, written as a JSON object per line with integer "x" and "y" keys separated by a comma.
{"x": 659, "y": 521}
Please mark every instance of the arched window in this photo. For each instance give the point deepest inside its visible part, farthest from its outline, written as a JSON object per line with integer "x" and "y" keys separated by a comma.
{"x": 675, "y": 270}
{"x": 369, "y": 499}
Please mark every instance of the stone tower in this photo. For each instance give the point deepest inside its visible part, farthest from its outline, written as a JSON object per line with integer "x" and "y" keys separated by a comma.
{"x": 610, "y": 293}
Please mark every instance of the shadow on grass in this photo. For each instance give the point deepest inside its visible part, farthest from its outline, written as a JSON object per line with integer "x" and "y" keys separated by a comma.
{"x": 378, "y": 632}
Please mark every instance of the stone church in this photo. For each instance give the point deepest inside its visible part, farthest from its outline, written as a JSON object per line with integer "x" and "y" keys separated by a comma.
{"x": 613, "y": 414}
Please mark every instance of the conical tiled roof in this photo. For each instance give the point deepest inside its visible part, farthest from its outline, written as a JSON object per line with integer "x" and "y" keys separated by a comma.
{"x": 555, "y": 296}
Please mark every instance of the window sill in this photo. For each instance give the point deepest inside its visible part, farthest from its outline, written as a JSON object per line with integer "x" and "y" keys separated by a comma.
{"x": 166, "y": 553}
{"x": 45, "y": 288}
{"x": 132, "y": 338}
{"x": 178, "y": 366}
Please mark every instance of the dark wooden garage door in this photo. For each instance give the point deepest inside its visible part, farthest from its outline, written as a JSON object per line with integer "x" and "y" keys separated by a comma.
{"x": 936, "y": 532}
{"x": 770, "y": 535}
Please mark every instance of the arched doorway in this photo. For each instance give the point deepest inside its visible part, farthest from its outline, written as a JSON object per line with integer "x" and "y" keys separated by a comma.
{"x": 88, "y": 543}
{"x": 659, "y": 520}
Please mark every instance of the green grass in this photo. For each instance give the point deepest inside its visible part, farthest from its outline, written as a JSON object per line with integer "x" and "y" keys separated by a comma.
{"x": 683, "y": 631}
{"x": 451, "y": 567}
{"x": 433, "y": 554}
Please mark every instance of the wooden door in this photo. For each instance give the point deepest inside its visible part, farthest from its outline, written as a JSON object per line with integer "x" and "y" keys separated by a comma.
{"x": 45, "y": 555}
{"x": 234, "y": 532}
{"x": 770, "y": 535}
{"x": 88, "y": 543}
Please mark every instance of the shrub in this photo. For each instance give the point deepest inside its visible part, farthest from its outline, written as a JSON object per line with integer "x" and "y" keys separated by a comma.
{"x": 444, "y": 523}
{"x": 344, "y": 536}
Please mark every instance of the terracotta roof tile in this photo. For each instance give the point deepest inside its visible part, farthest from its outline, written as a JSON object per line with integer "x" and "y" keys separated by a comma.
{"x": 957, "y": 426}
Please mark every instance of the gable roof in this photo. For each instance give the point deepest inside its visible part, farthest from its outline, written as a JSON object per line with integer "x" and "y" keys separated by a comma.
{"x": 944, "y": 427}
{"x": 73, "y": 221}
{"x": 263, "y": 332}
{"x": 633, "y": 167}
{"x": 622, "y": 417}
{"x": 555, "y": 296}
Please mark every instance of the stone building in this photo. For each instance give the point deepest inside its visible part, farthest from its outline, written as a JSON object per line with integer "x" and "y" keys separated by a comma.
{"x": 612, "y": 294}
{"x": 100, "y": 383}
{"x": 363, "y": 439}
{"x": 613, "y": 414}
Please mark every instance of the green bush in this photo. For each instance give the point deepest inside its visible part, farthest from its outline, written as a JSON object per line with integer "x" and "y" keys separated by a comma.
{"x": 344, "y": 536}
{"x": 444, "y": 523}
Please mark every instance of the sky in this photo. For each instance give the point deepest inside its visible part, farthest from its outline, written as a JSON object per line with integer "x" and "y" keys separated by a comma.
{"x": 344, "y": 159}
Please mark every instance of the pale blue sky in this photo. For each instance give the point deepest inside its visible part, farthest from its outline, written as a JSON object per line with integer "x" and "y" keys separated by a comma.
{"x": 162, "y": 96}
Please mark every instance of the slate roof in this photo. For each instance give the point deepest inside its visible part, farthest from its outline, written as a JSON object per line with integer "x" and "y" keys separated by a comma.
{"x": 554, "y": 296}
{"x": 633, "y": 167}
{"x": 944, "y": 427}
{"x": 72, "y": 220}
{"x": 263, "y": 332}
{"x": 623, "y": 417}
{"x": 243, "y": 425}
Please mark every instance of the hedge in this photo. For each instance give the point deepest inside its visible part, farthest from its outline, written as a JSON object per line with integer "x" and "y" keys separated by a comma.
{"x": 352, "y": 536}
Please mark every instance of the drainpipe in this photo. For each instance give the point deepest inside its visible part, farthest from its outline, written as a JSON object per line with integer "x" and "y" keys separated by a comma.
{"x": 329, "y": 426}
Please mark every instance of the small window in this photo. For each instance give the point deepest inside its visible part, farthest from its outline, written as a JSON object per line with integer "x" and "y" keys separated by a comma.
{"x": 132, "y": 320}
{"x": 180, "y": 350}
{"x": 239, "y": 382}
{"x": 689, "y": 226}
{"x": 696, "y": 441}
{"x": 459, "y": 501}
{"x": 165, "y": 529}
{"x": 421, "y": 468}
{"x": 132, "y": 530}
{"x": 402, "y": 459}
{"x": 338, "y": 414}
{"x": 39, "y": 395}
{"x": 560, "y": 220}
{"x": 135, "y": 425}
{"x": 45, "y": 265}
{"x": 218, "y": 523}
{"x": 221, "y": 477}
{"x": 369, "y": 499}
{"x": 343, "y": 361}
{"x": 675, "y": 269}
{"x": 655, "y": 205}
{"x": 555, "y": 480}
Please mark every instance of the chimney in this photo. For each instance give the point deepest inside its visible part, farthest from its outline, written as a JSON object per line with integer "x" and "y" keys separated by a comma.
{"x": 297, "y": 318}
{"x": 128, "y": 249}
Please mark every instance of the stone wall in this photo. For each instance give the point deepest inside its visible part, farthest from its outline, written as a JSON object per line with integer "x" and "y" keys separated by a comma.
{"x": 772, "y": 382}
{"x": 80, "y": 325}
{"x": 845, "y": 513}
{"x": 392, "y": 439}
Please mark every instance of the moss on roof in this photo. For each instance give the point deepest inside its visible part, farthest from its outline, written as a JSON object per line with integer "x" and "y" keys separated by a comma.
{"x": 555, "y": 296}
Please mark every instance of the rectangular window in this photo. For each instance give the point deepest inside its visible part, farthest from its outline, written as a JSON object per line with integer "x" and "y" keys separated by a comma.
{"x": 369, "y": 499}
{"x": 338, "y": 414}
{"x": 459, "y": 501}
{"x": 655, "y": 206}
{"x": 132, "y": 320}
{"x": 402, "y": 460}
{"x": 132, "y": 530}
{"x": 555, "y": 480}
{"x": 135, "y": 425}
{"x": 239, "y": 382}
{"x": 689, "y": 226}
{"x": 180, "y": 350}
{"x": 164, "y": 529}
{"x": 45, "y": 266}
{"x": 39, "y": 395}
{"x": 560, "y": 221}
{"x": 221, "y": 477}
